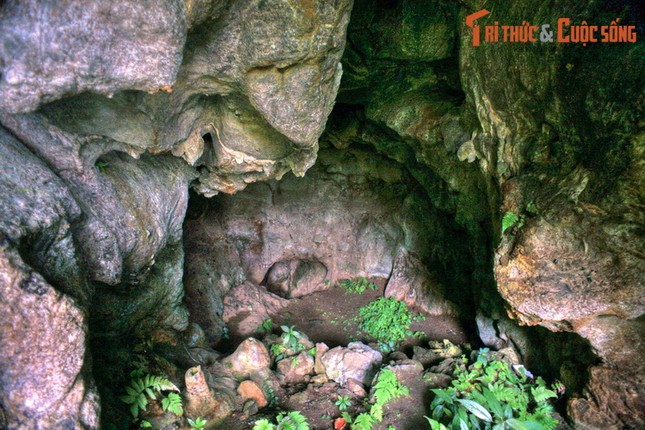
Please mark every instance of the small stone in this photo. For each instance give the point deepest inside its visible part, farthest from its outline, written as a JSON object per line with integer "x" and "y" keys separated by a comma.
{"x": 356, "y": 387}
{"x": 425, "y": 356}
{"x": 437, "y": 380}
{"x": 250, "y": 408}
{"x": 319, "y": 367}
{"x": 319, "y": 379}
{"x": 250, "y": 390}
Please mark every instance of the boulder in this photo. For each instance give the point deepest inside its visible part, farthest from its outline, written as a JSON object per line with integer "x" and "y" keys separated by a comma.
{"x": 296, "y": 369}
{"x": 296, "y": 278}
{"x": 251, "y": 356}
{"x": 357, "y": 361}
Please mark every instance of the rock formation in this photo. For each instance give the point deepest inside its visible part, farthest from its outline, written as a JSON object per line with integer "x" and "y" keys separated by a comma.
{"x": 111, "y": 112}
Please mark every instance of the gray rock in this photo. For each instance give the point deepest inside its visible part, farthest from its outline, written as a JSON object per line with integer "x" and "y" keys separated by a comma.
{"x": 357, "y": 361}
{"x": 49, "y": 51}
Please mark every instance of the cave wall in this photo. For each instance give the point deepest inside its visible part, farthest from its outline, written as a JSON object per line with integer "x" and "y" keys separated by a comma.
{"x": 110, "y": 111}
{"x": 355, "y": 213}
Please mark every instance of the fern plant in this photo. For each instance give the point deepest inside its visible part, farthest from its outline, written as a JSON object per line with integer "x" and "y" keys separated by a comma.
{"x": 357, "y": 286}
{"x": 387, "y": 320}
{"x": 143, "y": 387}
{"x": 284, "y": 421}
{"x": 489, "y": 395}
{"x": 173, "y": 404}
{"x": 386, "y": 388}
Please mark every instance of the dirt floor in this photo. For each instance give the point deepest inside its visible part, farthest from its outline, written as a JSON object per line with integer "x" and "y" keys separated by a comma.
{"x": 332, "y": 317}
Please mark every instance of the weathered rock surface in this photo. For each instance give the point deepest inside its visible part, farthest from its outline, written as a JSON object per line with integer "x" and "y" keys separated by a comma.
{"x": 412, "y": 284}
{"x": 201, "y": 401}
{"x": 351, "y": 214}
{"x": 296, "y": 278}
{"x": 357, "y": 361}
{"x": 250, "y": 357}
{"x": 249, "y": 390}
{"x": 95, "y": 191}
{"x": 296, "y": 369}
{"x": 51, "y": 51}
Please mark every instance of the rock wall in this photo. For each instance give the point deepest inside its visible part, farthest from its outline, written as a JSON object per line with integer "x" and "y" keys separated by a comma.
{"x": 354, "y": 214}
{"x": 109, "y": 112}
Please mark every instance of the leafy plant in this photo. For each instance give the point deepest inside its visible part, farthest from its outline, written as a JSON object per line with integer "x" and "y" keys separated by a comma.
{"x": 343, "y": 403}
{"x": 266, "y": 326}
{"x": 387, "y": 320}
{"x": 511, "y": 219}
{"x": 490, "y": 395}
{"x": 101, "y": 165}
{"x": 198, "y": 424}
{"x": 173, "y": 404}
{"x": 294, "y": 362}
{"x": 143, "y": 386}
{"x": 284, "y": 421}
{"x": 357, "y": 286}
{"x": 278, "y": 350}
{"x": 145, "y": 424}
{"x": 386, "y": 388}
{"x": 291, "y": 338}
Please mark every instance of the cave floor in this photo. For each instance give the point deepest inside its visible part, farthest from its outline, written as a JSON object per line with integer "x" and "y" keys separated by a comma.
{"x": 332, "y": 316}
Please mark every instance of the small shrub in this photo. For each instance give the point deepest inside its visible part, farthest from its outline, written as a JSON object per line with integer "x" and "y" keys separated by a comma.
{"x": 511, "y": 219}
{"x": 173, "y": 404}
{"x": 490, "y": 395}
{"x": 387, "y": 320}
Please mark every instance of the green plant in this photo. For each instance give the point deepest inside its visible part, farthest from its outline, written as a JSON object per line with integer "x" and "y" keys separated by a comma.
{"x": 284, "y": 421}
{"x": 294, "y": 362}
{"x": 173, "y": 404}
{"x": 278, "y": 350}
{"x": 387, "y": 320}
{"x": 145, "y": 424}
{"x": 386, "y": 388}
{"x": 510, "y": 219}
{"x": 357, "y": 286}
{"x": 101, "y": 165}
{"x": 291, "y": 338}
{"x": 489, "y": 395}
{"x": 266, "y": 326}
{"x": 198, "y": 424}
{"x": 343, "y": 403}
{"x": 143, "y": 386}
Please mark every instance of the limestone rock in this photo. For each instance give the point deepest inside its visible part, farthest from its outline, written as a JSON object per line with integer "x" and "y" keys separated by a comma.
{"x": 425, "y": 356}
{"x": 77, "y": 46}
{"x": 357, "y": 361}
{"x": 200, "y": 401}
{"x": 411, "y": 283}
{"x": 296, "y": 278}
{"x": 437, "y": 380}
{"x": 296, "y": 369}
{"x": 249, "y": 305}
{"x": 250, "y": 356}
{"x": 321, "y": 349}
{"x": 250, "y": 390}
